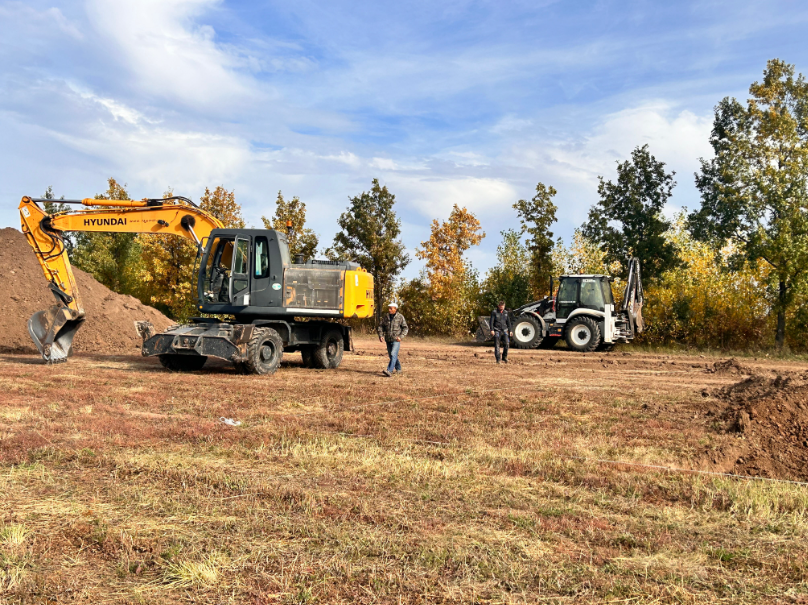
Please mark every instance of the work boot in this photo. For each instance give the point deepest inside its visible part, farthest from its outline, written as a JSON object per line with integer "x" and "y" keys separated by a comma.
{"x": 504, "y": 360}
{"x": 497, "y": 361}
{"x": 386, "y": 373}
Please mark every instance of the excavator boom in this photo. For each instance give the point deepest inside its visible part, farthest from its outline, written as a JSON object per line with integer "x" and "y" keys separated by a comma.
{"x": 53, "y": 330}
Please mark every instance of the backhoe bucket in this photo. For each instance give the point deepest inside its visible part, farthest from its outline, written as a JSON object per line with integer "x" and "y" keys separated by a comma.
{"x": 53, "y": 330}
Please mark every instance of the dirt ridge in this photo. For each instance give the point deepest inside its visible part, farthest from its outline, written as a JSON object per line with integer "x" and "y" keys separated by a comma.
{"x": 109, "y": 328}
{"x": 770, "y": 416}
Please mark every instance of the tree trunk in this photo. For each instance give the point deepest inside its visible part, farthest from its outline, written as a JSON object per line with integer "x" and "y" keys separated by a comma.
{"x": 780, "y": 337}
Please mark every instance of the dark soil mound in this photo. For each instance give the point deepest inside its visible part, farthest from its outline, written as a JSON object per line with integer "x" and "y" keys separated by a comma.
{"x": 109, "y": 327}
{"x": 731, "y": 367}
{"x": 772, "y": 416}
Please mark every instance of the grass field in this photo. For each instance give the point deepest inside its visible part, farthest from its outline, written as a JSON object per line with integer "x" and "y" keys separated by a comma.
{"x": 457, "y": 482}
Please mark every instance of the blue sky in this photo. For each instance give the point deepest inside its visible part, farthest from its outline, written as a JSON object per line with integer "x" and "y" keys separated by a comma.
{"x": 445, "y": 102}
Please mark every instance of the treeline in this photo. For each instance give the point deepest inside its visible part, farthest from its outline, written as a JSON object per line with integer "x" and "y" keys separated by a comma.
{"x": 732, "y": 274}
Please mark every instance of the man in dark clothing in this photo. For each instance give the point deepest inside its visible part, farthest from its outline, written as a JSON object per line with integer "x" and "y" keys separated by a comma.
{"x": 501, "y": 330}
{"x": 392, "y": 328}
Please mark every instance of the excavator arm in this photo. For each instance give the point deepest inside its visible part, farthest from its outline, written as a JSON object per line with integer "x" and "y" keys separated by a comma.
{"x": 53, "y": 330}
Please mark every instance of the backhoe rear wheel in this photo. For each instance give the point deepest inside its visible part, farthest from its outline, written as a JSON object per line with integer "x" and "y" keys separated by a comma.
{"x": 328, "y": 354}
{"x": 182, "y": 363}
{"x": 264, "y": 352}
{"x": 583, "y": 334}
{"x": 526, "y": 332}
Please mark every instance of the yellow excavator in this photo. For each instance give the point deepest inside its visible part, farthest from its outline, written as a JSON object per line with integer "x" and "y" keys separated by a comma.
{"x": 244, "y": 273}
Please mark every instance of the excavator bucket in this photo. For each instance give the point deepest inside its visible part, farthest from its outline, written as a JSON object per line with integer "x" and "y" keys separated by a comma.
{"x": 53, "y": 331}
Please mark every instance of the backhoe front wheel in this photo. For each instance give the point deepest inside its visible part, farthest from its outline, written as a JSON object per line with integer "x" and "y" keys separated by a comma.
{"x": 328, "y": 354}
{"x": 583, "y": 334}
{"x": 526, "y": 332}
{"x": 264, "y": 352}
{"x": 182, "y": 363}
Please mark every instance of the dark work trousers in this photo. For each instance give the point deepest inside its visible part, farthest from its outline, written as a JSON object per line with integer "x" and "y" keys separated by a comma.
{"x": 501, "y": 336}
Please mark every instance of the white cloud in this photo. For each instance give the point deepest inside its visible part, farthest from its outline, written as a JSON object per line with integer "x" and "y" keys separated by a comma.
{"x": 19, "y": 13}
{"x": 171, "y": 55}
{"x": 118, "y": 110}
{"x": 433, "y": 196}
{"x": 383, "y": 164}
{"x": 675, "y": 136}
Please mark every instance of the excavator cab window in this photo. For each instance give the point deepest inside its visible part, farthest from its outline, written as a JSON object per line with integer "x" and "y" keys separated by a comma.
{"x": 216, "y": 284}
{"x": 241, "y": 263}
{"x": 261, "y": 257}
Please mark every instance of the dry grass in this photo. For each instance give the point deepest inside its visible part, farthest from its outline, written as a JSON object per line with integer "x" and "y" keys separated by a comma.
{"x": 119, "y": 485}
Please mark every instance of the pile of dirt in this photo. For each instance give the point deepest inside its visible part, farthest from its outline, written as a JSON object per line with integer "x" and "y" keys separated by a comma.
{"x": 772, "y": 416}
{"x": 109, "y": 327}
{"x": 731, "y": 367}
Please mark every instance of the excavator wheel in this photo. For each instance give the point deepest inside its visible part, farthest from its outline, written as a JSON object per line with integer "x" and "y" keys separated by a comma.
{"x": 329, "y": 352}
{"x": 583, "y": 334}
{"x": 183, "y": 363}
{"x": 264, "y": 352}
{"x": 526, "y": 332}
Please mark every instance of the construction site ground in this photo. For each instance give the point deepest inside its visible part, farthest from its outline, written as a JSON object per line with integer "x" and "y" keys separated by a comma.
{"x": 459, "y": 481}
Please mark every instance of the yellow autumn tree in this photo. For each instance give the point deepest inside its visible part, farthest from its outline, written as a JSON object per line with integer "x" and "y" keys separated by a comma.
{"x": 168, "y": 261}
{"x": 301, "y": 240}
{"x": 222, "y": 204}
{"x": 703, "y": 304}
{"x": 443, "y": 251}
{"x": 443, "y": 299}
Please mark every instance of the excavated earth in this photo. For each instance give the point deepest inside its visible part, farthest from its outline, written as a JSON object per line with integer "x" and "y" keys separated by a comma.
{"x": 109, "y": 328}
{"x": 768, "y": 408}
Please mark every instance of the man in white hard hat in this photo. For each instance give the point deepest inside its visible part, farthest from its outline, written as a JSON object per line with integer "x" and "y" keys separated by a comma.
{"x": 392, "y": 328}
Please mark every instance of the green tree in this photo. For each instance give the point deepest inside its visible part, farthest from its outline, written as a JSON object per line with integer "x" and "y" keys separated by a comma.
{"x": 370, "y": 236}
{"x": 509, "y": 280}
{"x": 754, "y": 192}
{"x": 301, "y": 240}
{"x": 537, "y": 216}
{"x": 628, "y": 221}
{"x": 111, "y": 258}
